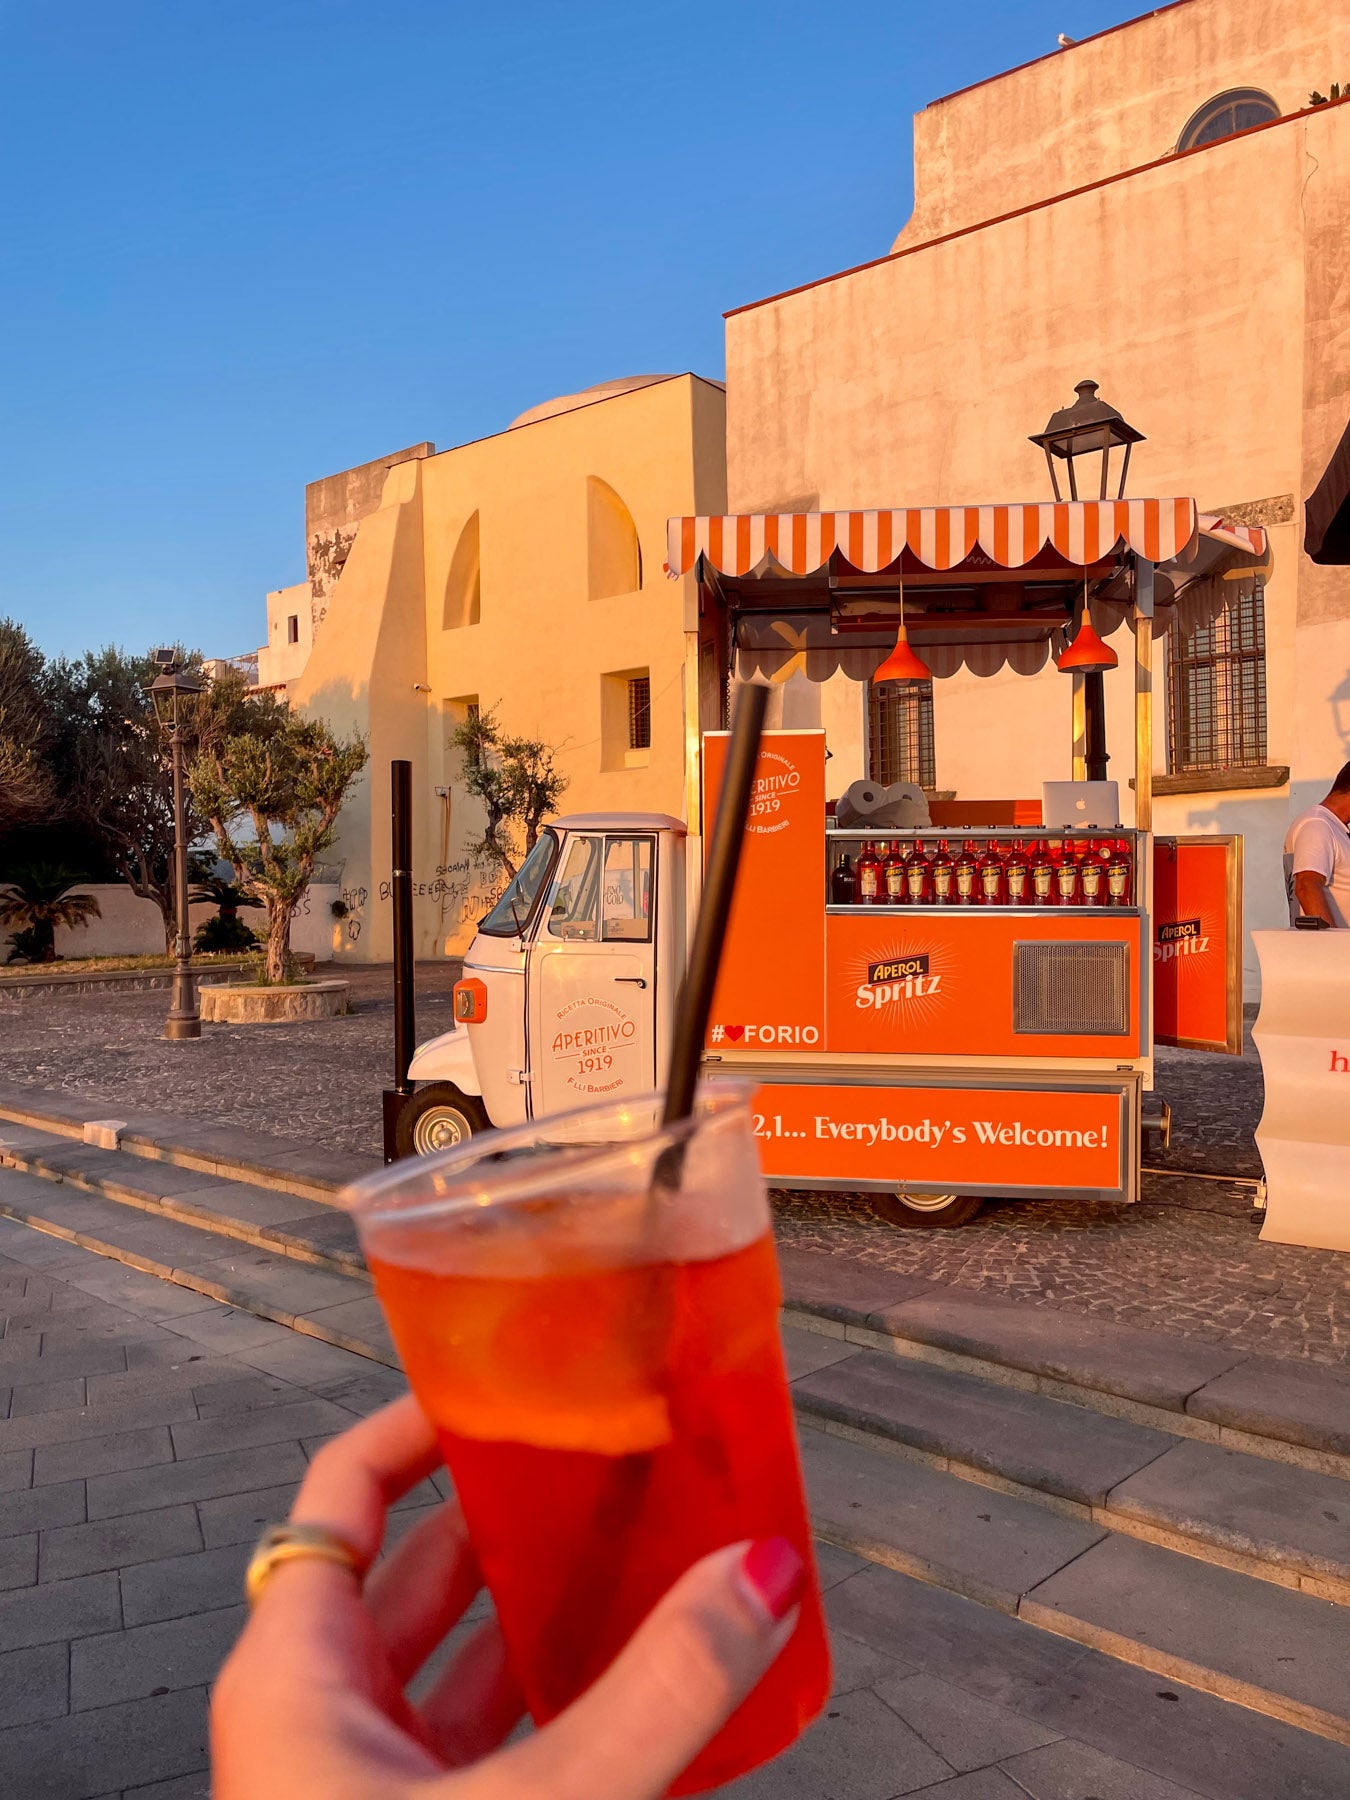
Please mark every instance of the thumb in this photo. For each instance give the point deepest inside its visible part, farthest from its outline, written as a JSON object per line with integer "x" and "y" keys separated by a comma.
{"x": 686, "y": 1669}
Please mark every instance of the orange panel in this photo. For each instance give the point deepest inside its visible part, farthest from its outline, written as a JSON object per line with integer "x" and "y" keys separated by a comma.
{"x": 987, "y": 813}
{"x": 966, "y": 1137}
{"x": 771, "y": 985}
{"x": 941, "y": 984}
{"x": 1197, "y": 975}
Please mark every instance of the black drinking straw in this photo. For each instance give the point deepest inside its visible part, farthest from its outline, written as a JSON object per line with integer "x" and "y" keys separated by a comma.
{"x": 696, "y": 991}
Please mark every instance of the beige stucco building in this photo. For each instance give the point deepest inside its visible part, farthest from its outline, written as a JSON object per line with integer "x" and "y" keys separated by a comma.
{"x": 523, "y": 574}
{"x": 1062, "y": 229}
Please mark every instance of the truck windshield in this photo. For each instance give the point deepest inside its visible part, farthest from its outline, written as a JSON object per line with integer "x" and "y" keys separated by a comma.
{"x": 511, "y": 914}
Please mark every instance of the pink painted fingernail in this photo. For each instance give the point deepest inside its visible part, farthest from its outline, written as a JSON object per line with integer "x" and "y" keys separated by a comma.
{"x": 774, "y": 1576}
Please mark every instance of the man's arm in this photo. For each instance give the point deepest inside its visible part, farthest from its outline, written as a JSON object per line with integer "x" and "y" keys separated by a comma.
{"x": 1310, "y": 890}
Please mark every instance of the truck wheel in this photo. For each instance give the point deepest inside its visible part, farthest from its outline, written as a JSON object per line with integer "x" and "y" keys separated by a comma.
{"x": 926, "y": 1212}
{"x": 437, "y": 1118}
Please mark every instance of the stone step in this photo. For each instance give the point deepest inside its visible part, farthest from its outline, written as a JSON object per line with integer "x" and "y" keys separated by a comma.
{"x": 1281, "y": 1653}
{"x": 309, "y": 1230}
{"x": 1271, "y": 1520}
{"x": 287, "y": 1164}
{"x": 338, "y": 1307}
{"x": 1288, "y": 1411}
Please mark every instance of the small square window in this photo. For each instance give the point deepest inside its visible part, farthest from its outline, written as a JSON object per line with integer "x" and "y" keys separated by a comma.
{"x": 293, "y": 629}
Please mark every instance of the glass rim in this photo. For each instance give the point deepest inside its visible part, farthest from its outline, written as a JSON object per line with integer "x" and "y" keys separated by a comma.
{"x": 484, "y": 1162}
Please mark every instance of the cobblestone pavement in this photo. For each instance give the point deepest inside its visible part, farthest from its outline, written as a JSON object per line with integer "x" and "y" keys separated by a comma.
{"x": 319, "y": 1080}
{"x": 1187, "y": 1259}
{"x": 147, "y": 1434}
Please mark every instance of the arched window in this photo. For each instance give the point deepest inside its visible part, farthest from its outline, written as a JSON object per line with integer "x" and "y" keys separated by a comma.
{"x": 613, "y": 553}
{"x": 1227, "y": 114}
{"x": 464, "y": 583}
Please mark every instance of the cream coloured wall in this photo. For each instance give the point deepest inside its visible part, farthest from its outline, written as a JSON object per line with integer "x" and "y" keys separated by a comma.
{"x": 385, "y": 661}
{"x": 1209, "y": 297}
{"x": 279, "y": 660}
{"x": 1112, "y": 102}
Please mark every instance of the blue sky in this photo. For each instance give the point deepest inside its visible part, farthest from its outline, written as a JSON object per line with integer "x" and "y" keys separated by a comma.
{"x": 249, "y": 245}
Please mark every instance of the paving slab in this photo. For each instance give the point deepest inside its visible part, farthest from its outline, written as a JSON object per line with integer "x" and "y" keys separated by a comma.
{"x": 359, "y": 1324}
{"x": 264, "y": 1425}
{"x": 266, "y": 1278}
{"x": 840, "y": 1288}
{"x": 102, "y": 1455}
{"x": 246, "y": 1393}
{"x": 40, "y": 1508}
{"x": 240, "y": 1518}
{"x": 29, "y": 1397}
{"x": 1072, "y": 1771}
{"x": 984, "y": 1784}
{"x": 16, "y": 1470}
{"x": 136, "y": 1743}
{"x": 806, "y": 1351}
{"x": 33, "y": 1685}
{"x": 1247, "y": 1505}
{"x": 1221, "y": 1751}
{"x": 1297, "y": 1402}
{"x": 989, "y": 1545}
{"x": 859, "y": 1750}
{"x": 1022, "y": 1437}
{"x": 965, "y": 1731}
{"x": 186, "y": 1787}
{"x": 59, "y": 1609}
{"x": 1146, "y": 1366}
{"x": 227, "y": 1330}
{"x": 116, "y": 1543}
{"x": 201, "y": 1478}
{"x": 1285, "y": 1652}
{"x": 175, "y": 1586}
{"x": 18, "y": 1561}
{"x": 305, "y": 1360}
{"x": 90, "y": 1422}
{"x": 134, "y": 1663}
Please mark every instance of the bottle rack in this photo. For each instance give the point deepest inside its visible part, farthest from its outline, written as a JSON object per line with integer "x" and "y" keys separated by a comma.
{"x": 1063, "y": 870}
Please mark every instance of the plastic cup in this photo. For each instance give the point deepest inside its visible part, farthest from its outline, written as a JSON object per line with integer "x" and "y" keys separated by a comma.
{"x": 596, "y": 1342}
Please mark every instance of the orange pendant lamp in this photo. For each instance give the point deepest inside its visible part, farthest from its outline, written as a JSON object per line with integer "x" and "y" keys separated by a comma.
{"x": 903, "y": 663}
{"x": 1087, "y": 654}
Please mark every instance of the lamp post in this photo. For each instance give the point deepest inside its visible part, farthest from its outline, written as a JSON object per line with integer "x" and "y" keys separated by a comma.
{"x": 166, "y": 690}
{"x": 1087, "y": 428}
{"x": 1075, "y": 434}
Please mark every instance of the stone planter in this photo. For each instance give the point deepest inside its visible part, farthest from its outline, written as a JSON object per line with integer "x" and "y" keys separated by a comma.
{"x": 230, "y": 1005}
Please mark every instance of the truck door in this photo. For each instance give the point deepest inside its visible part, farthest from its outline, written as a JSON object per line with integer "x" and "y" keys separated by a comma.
{"x": 1197, "y": 943}
{"x": 592, "y": 979}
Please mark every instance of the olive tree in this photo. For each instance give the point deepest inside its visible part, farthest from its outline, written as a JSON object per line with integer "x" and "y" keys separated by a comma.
{"x": 516, "y": 780}
{"x": 271, "y": 783}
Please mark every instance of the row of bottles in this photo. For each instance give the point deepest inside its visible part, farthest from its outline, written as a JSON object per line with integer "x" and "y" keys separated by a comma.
{"x": 1052, "y": 871}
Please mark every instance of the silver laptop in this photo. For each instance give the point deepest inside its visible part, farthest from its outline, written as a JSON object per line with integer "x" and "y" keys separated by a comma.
{"x": 1081, "y": 803}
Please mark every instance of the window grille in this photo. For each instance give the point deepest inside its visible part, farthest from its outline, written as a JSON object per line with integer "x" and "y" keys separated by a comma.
{"x": 900, "y": 734}
{"x": 1216, "y": 679}
{"x": 639, "y": 712}
{"x": 1226, "y": 115}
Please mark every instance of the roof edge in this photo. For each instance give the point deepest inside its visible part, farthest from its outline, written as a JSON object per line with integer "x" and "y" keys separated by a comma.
{"x": 1017, "y": 212}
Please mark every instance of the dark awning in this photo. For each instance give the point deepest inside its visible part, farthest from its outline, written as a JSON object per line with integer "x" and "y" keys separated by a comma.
{"x": 1326, "y": 535}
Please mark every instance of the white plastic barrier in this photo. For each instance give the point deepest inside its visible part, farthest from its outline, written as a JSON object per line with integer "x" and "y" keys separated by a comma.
{"x": 1303, "y": 1035}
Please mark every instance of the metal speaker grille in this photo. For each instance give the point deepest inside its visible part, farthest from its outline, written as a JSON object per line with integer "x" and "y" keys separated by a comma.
{"x": 1072, "y": 990}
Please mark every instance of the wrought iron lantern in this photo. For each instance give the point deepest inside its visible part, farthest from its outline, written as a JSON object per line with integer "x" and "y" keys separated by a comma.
{"x": 1089, "y": 428}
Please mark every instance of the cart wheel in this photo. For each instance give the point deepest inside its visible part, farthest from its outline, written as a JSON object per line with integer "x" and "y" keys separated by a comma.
{"x": 926, "y": 1212}
{"x": 437, "y": 1118}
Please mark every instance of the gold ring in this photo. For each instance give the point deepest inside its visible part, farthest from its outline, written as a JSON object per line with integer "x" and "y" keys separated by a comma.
{"x": 287, "y": 1543}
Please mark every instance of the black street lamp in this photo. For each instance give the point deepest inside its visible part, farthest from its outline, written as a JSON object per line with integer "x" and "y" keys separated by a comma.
{"x": 166, "y": 690}
{"x": 1087, "y": 428}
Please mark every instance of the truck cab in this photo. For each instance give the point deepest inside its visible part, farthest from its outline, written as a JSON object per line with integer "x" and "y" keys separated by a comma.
{"x": 568, "y": 987}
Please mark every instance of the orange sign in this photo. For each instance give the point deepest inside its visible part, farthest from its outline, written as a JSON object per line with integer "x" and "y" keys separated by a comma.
{"x": 965, "y": 1138}
{"x": 770, "y": 990}
{"x": 946, "y": 985}
{"x": 1197, "y": 943}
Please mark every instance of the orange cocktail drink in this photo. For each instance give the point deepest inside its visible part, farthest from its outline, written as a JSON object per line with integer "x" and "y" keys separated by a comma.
{"x": 599, "y": 1352}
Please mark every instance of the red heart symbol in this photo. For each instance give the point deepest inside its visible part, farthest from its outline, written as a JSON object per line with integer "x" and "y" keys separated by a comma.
{"x": 735, "y": 1032}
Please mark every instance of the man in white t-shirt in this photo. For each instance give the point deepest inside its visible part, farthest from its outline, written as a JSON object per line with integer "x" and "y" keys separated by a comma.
{"x": 1317, "y": 858}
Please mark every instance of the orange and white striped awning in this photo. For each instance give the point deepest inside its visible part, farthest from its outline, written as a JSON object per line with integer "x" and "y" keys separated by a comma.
{"x": 944, "y": 537}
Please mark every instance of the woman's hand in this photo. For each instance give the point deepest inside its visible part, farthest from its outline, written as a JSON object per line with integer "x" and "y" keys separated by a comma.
{"x": 311, "y": 1703}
